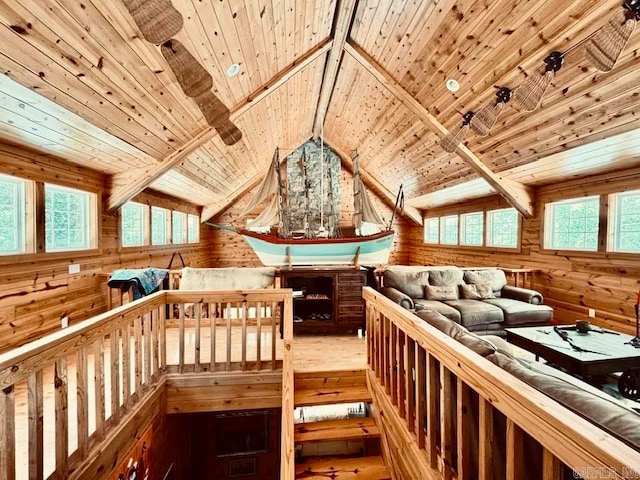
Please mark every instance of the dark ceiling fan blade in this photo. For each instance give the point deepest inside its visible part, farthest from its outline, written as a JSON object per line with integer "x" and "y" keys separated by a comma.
{"x": 158, "y": 20}
{"x": 484, "y": 120}
{"x": 528, "y": 95}
{"x": 606, "y": 45}
{"x": 229, "y": 133}
{"x": 453, "y": 139}
{"x": 212, "y": 108}
{"x": 192, "y": 77}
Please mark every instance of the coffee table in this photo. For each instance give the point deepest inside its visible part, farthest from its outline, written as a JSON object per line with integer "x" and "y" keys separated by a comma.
{"x": 544, "y": 342}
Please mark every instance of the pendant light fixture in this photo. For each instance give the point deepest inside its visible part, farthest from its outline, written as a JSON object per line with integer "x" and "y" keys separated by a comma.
{"x": 453, "y": 139}
{"x": 528, "y": 95}
{"x": 484, "y": 120}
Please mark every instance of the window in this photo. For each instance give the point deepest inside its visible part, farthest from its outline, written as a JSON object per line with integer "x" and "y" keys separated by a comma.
{"x": 572, "y": 224}
{"x": 449, "y": 230}
{"x": 12, "y": 215}
{"x": 68, "y": 214}
{"x": 178, "y": 230}
{"x": 133, "y": 224}
{"x": 193, "y": 229}
{"x": 472, "y": 228}
{"x": 502, "y": 228}
{"x": 432, "y": 230}
{"x": 626, "y": 222}
{"x": 159, "y": 231}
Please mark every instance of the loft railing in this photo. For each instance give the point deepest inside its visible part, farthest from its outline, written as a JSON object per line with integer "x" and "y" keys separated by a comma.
{"x": 63, "y": 394}
{"x": 447, "y": 400}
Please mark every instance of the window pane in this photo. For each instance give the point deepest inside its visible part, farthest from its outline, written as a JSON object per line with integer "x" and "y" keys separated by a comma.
{"x": 12, "y": 215}
{"x": 572, "y": 224}
{"x": 627, "y": 222}
{"x": 193, "y": 229}
{"x": 177, "y": 227}
{"x": 502, "y": 228}
{"x": 472, "y": 228}
{"x": 159, "y": 226}
{"x": 67, "y": 219}
{"x": 132, "y": 224}
{"x": 432, "y": 230}
{"x": 450, "y": 230}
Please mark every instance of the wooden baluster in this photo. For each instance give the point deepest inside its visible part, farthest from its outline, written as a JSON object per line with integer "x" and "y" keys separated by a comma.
{"x": 447, "y": 412}
{"x": 162, "y": 332}
{"x": 114, "y": 352}
{"x": 411, "y": 393}
{"x": 82, "y": 395}
{"x": 7, "y": 434}
{"x": 393, "y": 367}
{"x": 486, "y": 466}
{"x": 275, "y": 314}
{"x": 381, "y": 354}
{"x": 378, "y": 354}
{"x": 466, "y": 469}
{"x": 126, "y": 365}
{"x": 421, "y": 395}
{"x": 61, "y": 417}
{"x": 137, "y": 352}
{"x": 155, "y": 365}
{"x": 387, "y": 366}
{"x": 244, "y": 334}
{"x": 368, "y": 325}
{"x": 147, "y": 348}
{"x": 198, "y": 309}
{"x": 515, "y": 451}
{"x": 181, "y": 342}
{"x": 402, "y": 375}
{"x": 433, "y": 399}
{"x": 213, "y": 318}
{"x": 228, "y": 317}
{"x": 551, "y": 466}
{"x": 36, "y": 430}
{"x": 98, "y": 361}
{"x": 259, "y": 335}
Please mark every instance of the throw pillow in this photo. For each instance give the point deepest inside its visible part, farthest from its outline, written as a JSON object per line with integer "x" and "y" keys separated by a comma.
{"x": 478, "y": 291}
{"x": 441, "y": 293}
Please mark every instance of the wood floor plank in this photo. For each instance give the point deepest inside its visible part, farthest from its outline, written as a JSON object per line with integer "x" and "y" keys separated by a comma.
{"x": 369, "y": 468}
{"x": 334, "y": 430}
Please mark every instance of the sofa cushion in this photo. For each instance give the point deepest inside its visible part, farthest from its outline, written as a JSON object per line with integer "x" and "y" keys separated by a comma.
{"x": 478, "y": 344}
{"x": 441, "y": 293}
{"x": 411, "y": 282}
{"x": 495, "y": 277}
{"x": 477, "y": 291}
{"x": 474, "y": 312}
{"x": 447, "y": 277}
{"x": 521, "y": 313}
{"x": 442, "y": 308}
{"x": 574, "y": 394}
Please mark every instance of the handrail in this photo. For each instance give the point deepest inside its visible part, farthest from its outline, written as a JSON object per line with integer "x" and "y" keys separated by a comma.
{"x": 98, "y": 370}
{"x": 430, "y": 378}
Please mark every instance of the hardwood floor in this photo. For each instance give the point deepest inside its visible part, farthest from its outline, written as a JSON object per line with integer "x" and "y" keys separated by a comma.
{"x": 311, "y": 353}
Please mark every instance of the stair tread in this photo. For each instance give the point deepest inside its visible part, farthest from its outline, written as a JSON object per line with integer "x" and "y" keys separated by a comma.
{"x": 325, "y": 396}
{"x": 333, "y": 430}
{"x": 360, "y": 468}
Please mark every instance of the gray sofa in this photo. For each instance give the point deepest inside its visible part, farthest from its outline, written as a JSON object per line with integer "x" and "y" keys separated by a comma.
{"x": 480, "y": 300}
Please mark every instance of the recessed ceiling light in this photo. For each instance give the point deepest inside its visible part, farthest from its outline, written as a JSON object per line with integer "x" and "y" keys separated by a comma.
{"x": 453, "y": 85}
{"x": 233, "y": 70}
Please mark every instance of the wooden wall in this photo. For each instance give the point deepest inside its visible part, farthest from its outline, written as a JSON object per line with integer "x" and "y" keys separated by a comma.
{"x": 571, "y": 283}
{"x": 36, "y": 292}
{"x": 229, "y": 250}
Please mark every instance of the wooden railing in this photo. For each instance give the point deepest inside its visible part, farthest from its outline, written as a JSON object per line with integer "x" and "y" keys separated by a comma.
{"x": 462, "y": 416}
{"x": 63, "y": 394}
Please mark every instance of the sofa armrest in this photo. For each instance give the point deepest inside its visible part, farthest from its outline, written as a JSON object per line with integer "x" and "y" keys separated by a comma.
{"x": 397, "y": 296}
{"x": 522, "y": 294}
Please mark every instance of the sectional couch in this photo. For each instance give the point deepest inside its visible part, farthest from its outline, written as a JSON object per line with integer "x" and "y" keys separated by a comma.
{"x": 478, "y": 299}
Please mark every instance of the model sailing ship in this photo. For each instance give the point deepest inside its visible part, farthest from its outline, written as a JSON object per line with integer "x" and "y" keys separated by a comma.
{"x": 322, "y": 247}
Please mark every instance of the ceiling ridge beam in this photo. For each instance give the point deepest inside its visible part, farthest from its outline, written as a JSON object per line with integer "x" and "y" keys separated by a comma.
{"x": 130, "y": 188}
{"x": 375, "y": 186}
{"x": 517, "y": 194}
{"x": 344, "y": 16}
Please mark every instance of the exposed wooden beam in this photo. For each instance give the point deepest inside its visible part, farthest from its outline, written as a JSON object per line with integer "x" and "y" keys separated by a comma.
{"x": 518, "y": 195}
{"x": 377, "y": 187}
{"x": 129, "y": 188}
{"x": 344, "y": 14}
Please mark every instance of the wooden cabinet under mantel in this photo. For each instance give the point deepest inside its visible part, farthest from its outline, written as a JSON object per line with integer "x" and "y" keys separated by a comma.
{"x": 329, "y": 299}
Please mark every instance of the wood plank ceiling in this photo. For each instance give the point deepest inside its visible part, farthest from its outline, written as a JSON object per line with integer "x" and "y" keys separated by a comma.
{"x": 80, "y": 82}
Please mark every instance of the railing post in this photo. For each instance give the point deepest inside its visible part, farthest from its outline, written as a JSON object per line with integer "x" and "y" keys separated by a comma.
{"x": 82, "y": 395}
{"x": 287, "y": 462}
{"x": 61, "y": 417}
{"x": 7, "y": 434}
{"x": 35, "y": 400}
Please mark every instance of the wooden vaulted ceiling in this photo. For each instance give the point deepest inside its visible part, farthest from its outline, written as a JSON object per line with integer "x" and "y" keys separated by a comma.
{"x": 80, "y": 82}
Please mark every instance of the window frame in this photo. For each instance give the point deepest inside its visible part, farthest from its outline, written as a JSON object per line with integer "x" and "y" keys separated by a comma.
{"x": 25, "y": 214}
{"x": 603, "y": 227}
{"x": 462, "y": 227}
{"x": 146, "y": 222}
{"x": 443, "y": 222}
{"x": 167, "y": 227}
{"x": 183, "y": 240}
{"x": 613, "y": 219}
{"x": 487, "y": 229}
{"x": 425, "y": 236}
{"x": 196, "y": 227}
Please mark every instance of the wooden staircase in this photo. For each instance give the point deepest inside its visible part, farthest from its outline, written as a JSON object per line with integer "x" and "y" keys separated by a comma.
{"x": 327, "y": 388}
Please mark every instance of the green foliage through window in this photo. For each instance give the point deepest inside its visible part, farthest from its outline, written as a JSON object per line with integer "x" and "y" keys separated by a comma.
{"x": 432, "y": 230}
{"x": 132, "y": 224}
{"x": 627, "y": 222}
{"x": 472, "y": 229}
{"x": 449, "y": 227}
{"x": 502, "y": 226}
{"x": 177, "y": 227}
{"x": 12, "y": 221}
{"x": 66, "y": 219}
{"x": 159, "y": 232}
{"x": 193, "y": 229}
{"x": 573, "y": 224}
